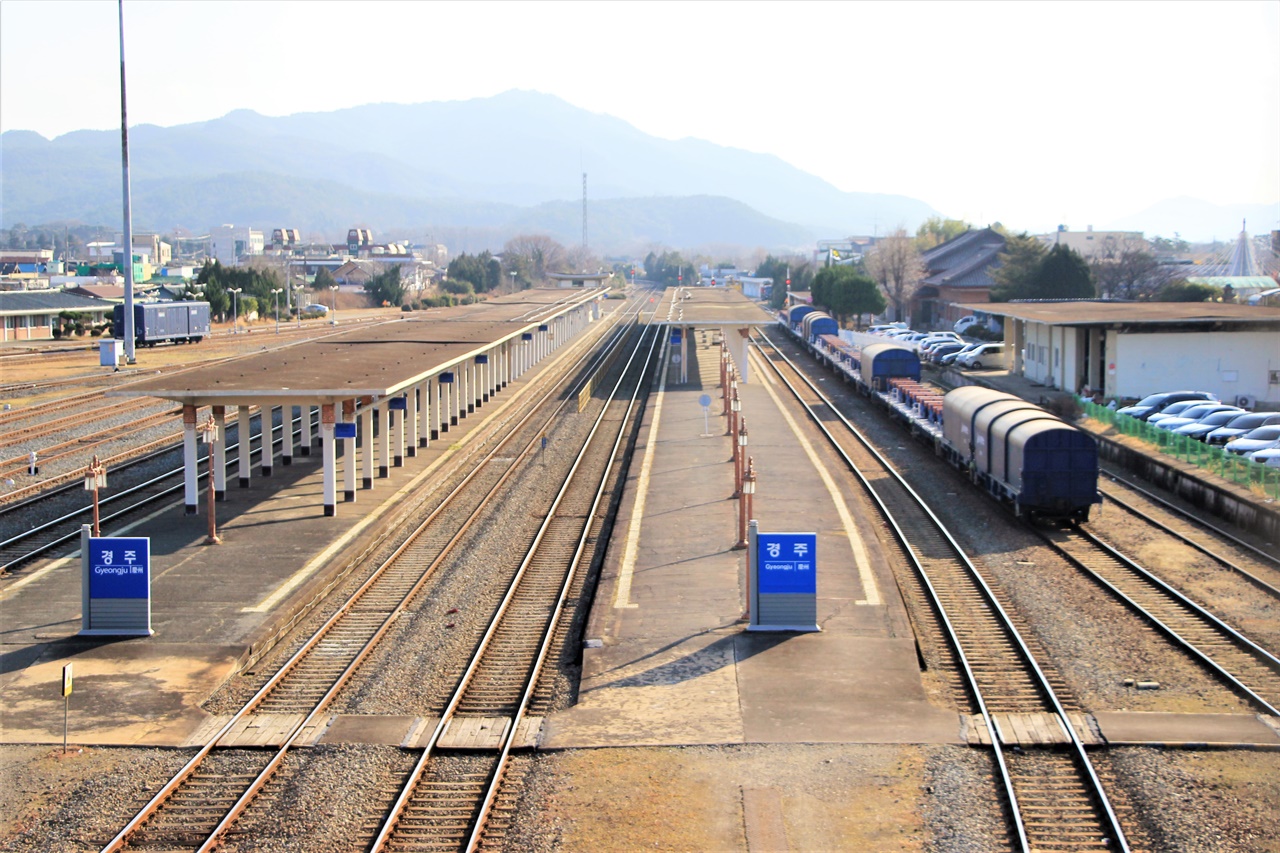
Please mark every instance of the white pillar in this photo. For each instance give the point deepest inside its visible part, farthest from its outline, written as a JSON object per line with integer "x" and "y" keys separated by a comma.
{"x": 190, "y": 473}
{"x": 449, "y": 416}
{"x": 422, "y": 430}
{"x": 400, "y": 415}
{"x": 432, "y": 410}
{"x": 286, "y": 435}
{"x": 243, "y": 426}
{"x": 304, "y": 443}
{"x": 349, "y": 454}
{"x": 383, "y": 416}
{"x": 744, "y": 366}
{"x": 366, "y": 447}
{"x": 329, "y": 459}
{"x": 266, "y": 434}
{"x": 220, "y": 454}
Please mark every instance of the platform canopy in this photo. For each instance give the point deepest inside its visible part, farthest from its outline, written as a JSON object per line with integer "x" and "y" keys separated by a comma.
{"x": 710, "y": 306}
{"x": 378, "y": 361}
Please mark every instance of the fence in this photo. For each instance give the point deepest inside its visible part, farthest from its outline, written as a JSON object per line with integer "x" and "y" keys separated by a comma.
{"x": 1215, "y": 460}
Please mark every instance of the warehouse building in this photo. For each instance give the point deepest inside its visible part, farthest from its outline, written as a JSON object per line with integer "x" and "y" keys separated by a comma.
{"x": 1131, "y": 349}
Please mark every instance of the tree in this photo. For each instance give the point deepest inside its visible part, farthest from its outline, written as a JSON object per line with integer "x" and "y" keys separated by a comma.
{"x": 323, "y": 280}
{"x": 533, "y": 257}
{"x": 895, "y": 265}
{"x": 935, "y": 231}
{"x": 1124, "y": 271}
{"x": 1181, "y": 290}
{"x": 386, "y": 288}
{"x": 1063, "y": 274}
{"x": 846, "y": 291}
{"x": 1018, "y": 264}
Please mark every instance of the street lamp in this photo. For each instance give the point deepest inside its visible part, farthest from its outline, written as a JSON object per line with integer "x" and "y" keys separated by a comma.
{"x": 744, "y": 503}
{"x": 740, "y": 457}
{"x": 513, "y": 281}
{"x": 208, "y": 437}
{"x": 235, "y": 309}
{"x": 275, "y": 294}
{"x": 95, "y": 477}
{"x": 334, "y": 288}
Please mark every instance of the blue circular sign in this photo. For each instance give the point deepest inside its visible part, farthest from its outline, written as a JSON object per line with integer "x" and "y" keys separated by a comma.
{"x": 704, "y": 400}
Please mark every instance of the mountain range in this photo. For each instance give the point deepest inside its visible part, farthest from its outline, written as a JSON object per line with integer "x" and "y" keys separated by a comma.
{"x": 495, "y": 166}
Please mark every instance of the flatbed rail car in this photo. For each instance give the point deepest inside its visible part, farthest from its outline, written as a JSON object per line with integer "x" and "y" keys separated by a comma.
{"x": 1042, "y": 467}
{"x": 158, "y": 322}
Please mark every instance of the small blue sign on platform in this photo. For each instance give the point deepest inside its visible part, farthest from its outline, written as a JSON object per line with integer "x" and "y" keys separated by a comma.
{"x": 116, "y": 585}
{"x": 344, "y": 430}
{"x": 783, "y": 583}
{"x": 398, "y": 404}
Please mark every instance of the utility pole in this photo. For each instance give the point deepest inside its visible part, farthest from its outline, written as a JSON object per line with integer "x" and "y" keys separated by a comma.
{"x": 584, "y": 211}
{"x": 129, "y": 357}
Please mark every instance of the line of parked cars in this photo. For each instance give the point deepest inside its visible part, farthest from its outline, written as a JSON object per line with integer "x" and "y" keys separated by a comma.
{"x": 944, "y": 348}
{"x": 1199, "y": 414}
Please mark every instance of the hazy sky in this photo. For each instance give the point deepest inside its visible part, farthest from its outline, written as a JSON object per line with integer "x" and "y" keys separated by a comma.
{"x": 1033, "y": 113}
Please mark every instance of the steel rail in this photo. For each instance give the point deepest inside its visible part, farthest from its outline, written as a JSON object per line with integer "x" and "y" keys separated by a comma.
{"x": 1078, "y": 748}
{"x": 1247, "y": 645}
{"x": 397, "y": 809}
{"x": 153, "y": 805}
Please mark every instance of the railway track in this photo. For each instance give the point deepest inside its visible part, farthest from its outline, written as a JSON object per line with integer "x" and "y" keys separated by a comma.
{"x": 328, "y": 661}
{"x": 1247, "y": 667}
{"x": 1055, "y": 797}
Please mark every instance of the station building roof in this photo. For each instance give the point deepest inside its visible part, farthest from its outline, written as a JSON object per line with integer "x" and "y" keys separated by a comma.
{"x": 1098, "y": 313}
{"x": 710, "y": 306}
{"x": 370, "y": 362}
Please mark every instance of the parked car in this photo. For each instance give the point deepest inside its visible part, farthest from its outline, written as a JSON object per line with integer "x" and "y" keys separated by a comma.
{"x": 1173, "y": 410}
{"x": 884, "y": 328}
{"x": 935, "y": 354}
{"x": 1209, "y": 422}
{"x": 1269, "y": 457}
{"x": 1241, "y": 424}
{"x": 967, "y": 348}
{"x": 1262, "y": 438}
{"x": 935, "y": 338}
{"x": 1149, "y": 405}
{"x": 981, "y": 356}
{"x": 964, "y": 323}
{"x": 315, "y": 310}
{"x": 1195, "y": 414}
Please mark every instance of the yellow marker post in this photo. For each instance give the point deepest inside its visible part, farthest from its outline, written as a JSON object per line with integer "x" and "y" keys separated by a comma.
{"x": 66, "y": 693}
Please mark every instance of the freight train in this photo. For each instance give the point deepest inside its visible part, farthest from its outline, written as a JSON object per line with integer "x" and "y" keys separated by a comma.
{"x": 157, "y": 322}
{"x": 1044, "y": 468}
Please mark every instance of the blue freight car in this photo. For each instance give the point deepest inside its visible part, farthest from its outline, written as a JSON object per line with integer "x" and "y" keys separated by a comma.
{"x": 818, "y": 323}
{"x": 157, "y": 322}
{"x": 882, "y": 362}
{"x": 1041, "y": 465}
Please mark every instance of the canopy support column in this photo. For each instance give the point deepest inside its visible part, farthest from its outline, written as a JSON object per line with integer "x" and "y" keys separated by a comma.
{"x": 190, "y": 474}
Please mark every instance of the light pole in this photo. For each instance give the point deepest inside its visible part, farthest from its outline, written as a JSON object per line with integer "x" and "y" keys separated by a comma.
{"x": 513, "y": 281}
{"x": 334, "y": 321}
{"x": 209, "y": 436}
{"x": 744, "y": 504}
{"x": 740, "y": 458}
{"x": 275, "y": 293}
{"x": 235, "y": 309}
{"x": 95, "y": 477}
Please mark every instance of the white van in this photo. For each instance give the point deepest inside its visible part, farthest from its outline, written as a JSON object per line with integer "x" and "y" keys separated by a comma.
{"x": 962, "y": 325}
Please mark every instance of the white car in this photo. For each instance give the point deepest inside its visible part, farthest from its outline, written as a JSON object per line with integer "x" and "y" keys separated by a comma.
{"x": 1262, "y": 438}
{"x": 979, "y": 357}
{"x": 315, "y": 310}
{"x": 1269, "y": 457}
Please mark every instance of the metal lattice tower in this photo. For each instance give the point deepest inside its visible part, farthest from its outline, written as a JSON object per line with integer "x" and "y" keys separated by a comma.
{"x": 584, "y": 210}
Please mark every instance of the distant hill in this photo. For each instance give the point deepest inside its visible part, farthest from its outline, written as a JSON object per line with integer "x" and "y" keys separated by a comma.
{"x": 1199, "y": 221}
{"x": 505, "y": 164}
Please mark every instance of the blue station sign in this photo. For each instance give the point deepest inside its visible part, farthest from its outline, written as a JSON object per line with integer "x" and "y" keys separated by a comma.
{"x": 787, "y": 563}
{"x": 120, "y": 567}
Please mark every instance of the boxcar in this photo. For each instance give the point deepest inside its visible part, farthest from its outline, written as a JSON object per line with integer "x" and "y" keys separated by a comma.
{"x": 157, "y": 322}
{"x": 882, "y": 362}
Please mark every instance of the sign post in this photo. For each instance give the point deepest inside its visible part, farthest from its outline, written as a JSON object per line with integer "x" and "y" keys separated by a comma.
{"x": 705, "y": 402}
{"x": 115, "y": 585}
{"x": 66, "y": 694}
{"x": 782, "y": 582}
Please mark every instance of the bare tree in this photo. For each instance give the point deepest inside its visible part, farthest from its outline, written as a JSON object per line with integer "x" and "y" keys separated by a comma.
{"x": 896, "y": 266}
{"x": 533, "y": 256}
{"x": 1124, "y": 269}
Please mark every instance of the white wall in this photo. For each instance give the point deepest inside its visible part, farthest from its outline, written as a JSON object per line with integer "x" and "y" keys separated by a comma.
{"x": 1229, "y": 364}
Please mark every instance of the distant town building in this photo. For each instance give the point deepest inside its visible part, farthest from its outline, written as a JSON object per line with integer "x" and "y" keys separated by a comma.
{"x": 1096, "y": 244}
{"x": 229, "y": 243}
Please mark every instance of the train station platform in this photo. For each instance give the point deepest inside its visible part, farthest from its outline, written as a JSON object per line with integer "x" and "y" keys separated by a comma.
{"x": 668, "y": 659}
{"x": 214, "y": 608}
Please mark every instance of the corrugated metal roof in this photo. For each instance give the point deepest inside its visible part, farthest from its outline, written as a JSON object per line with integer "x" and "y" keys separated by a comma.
{"x": 1076, "y": 313}
{"x": 38, "y": 301}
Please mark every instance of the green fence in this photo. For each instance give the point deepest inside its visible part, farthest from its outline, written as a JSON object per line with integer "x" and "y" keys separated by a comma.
{"x": 1215, "y": 460}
